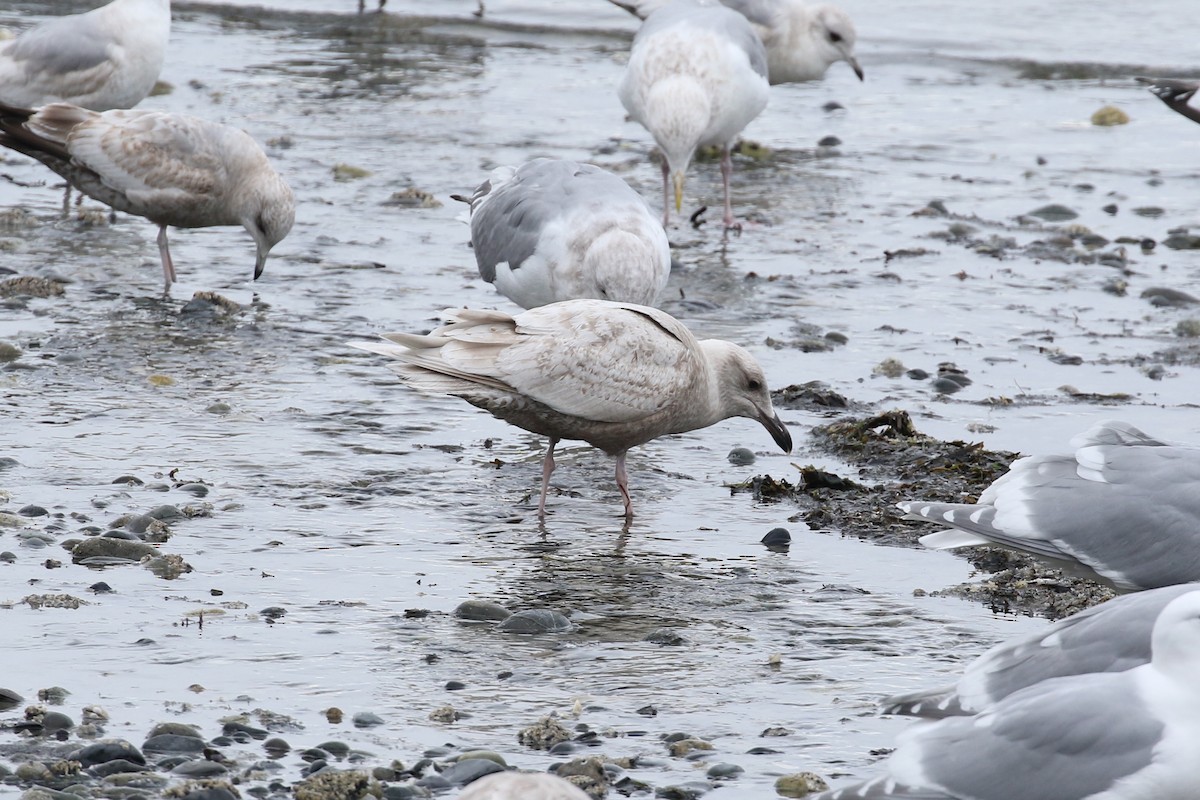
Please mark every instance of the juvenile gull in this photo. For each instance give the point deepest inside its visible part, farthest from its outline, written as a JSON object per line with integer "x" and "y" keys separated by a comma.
{"x": 556, "y": 230}
{"x": 1111, "y": 637}
{"x": 1176, "y": 94}
{"x": 1123, "y": 509}
{"x": 696, "y": 76}
{"x": 171, "y": 169}
{"x": 802, "y": 41}
{"x": 522, "y": 786}
{"x": 106, "y": 58}
{"x": 1117, "y": 736}
{"x": 614, "y": 375}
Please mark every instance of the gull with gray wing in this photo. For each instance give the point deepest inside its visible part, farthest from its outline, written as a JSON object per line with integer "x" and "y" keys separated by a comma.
{"x": 1128, "y": 735}
{"x": 172, "y": 169}
{"x": 1111, "y": 637}
{"x": 697, "y": 76}
{"x": 1123, "y": 509}
{"x": 1176, "y": 94}
{"x": 557, "y": 230}
{"x": 109, "y": 57}
{"x": 615, "y": 375}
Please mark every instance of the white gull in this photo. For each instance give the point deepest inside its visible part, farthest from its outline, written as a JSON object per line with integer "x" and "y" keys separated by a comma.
{"x": 171, "y": 169}
{"x": 1128, "y": 735}
{"x": 696, "y": 76}
{"x": 106, "y": 58}
{"x": 1123, "y": 509}
{"x": 615, "y": 375}
{"x": 522, "y": 786}
{"x": 557, "y": 230}
{"x": 802, "y": 40}
{"x": 1111, "y": 637}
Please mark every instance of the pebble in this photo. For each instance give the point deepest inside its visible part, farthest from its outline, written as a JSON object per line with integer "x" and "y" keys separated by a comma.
{"x": 543, "y": 734}
{"x": 195, "y": 489}
{"x": 32, "y": 511}
{"x": 482, "y": 611}
{"x": 724, "y": 770}
{"x": 777, "y": 537}
{"x": 536, "y": 621}
{"x": 800, "y": 784}
{"x": 741, "y": 456}
{"x": 173, "y": 743}
{"x": 107, "y": 750}
{"x": 109, "y": 548}
{"x": 467, "y": 770}
{"x": 366, "y": 719}
{"x": 200, "y": 768}
{"x": 1054, "y": 213}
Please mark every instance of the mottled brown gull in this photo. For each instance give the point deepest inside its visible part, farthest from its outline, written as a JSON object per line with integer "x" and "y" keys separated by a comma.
{"x": 1128, "y": 735}
{"x": 522, "y": 786}
{"x": 1123, "y": 509}
{"x": 556, "y": 230}
{"x": 697, "y": 75}
{"x": 614, "y": 375}
{"x": 109, "y": 57}
{"x": 1111, "y": 637}
{"x": 802, "y": 40}
{"x": 171, "y": 169}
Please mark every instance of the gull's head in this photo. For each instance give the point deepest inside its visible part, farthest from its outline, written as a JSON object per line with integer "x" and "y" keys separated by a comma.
{"x": 833, "y": 37}
{"x": 741, "y": 388}
{"x": 270, "y": 218}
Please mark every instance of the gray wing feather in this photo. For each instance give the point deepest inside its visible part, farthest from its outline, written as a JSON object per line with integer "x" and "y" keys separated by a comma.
{"x": 60, "y": 46}
{"x": 715, "y": 18}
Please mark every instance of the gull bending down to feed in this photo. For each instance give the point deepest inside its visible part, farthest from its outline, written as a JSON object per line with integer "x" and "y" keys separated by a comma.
{"x": 557, "y": 230}
{"x": 1128, "y": 735}
{"x": 802, "y": 41}
{"x": 1123, "y": 509}
{"x": 171, "y": 169}
{"x": 697, "y": 75}
{"x": 109, "y": 57}
{"x": 614, "y": 375}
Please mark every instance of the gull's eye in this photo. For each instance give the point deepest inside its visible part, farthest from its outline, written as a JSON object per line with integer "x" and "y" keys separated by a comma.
{"x": 835, "y": 37}
{"x": 754, "y": 385}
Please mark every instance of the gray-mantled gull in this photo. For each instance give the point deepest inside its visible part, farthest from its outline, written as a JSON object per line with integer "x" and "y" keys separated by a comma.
{"x": 1131, "y": 735}
{"x": 614, "y": 375}
{"x": 696, "y": 76}
{"x": 1176, "y": 94}
{"x": 522, "y": 786}
{"x": 557, "y": 230}
{"x": 802, "y": 40}
{"x": 171, "y": 169}
{"x": 1110, "y": 637}
{"x": 109, "y": 57}
{"x": 1123, "y": 509}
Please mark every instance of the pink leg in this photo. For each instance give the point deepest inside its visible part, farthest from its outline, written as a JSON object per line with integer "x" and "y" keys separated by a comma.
{"x": 547, "y": 469}
{"x": 165, "y": 253}
{"x": 726, "y": 172}
{"x": 623, "y": 485}
{"x": 666, "y": 192}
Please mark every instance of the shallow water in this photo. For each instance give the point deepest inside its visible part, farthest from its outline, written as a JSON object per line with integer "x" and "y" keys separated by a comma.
{"x": 346, "y": 500}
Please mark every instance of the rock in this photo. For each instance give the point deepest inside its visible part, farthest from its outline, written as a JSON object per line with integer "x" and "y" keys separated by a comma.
{"x": 482, "y": 611}
{"x": 684, "y": 746}
{"x": 365, "y": 719}
{"x": 741, "y": 457}
{"x": 1168, "y": 298}
{"x": 1108, "y": 116}
{"x": 9, "y": 699}
{"x": 349, "y": 785}
{"x": 118, "y": 766}
{"x": 1054, "y": 213}
{"x": 1182, "y": 241}
{"x": 102, "y": 547}
{"x": 466, "y": 770}
{"x": 200, "y": 768}
{"x": 173, "y": 743}
{"x": 777, "y": 538}
{"x": 536, "y": 621}
{"x": 543, "y": 734}
{"x": 32, "y": 511}
{"x": 107, "y": 750}
{"x": 724, "y": 770}
{"x": 800, "y": 784}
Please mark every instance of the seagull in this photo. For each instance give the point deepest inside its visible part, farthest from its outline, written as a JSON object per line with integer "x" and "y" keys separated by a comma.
{"x": 171, "y": 169}
{"x": 522, "y": 786}
{"x": 1126, "y": 735}
{"x": 1123, "y": 509}
{"x": 557, "y": 230}
{"x": 1111, "y": 637}
{"x": 1176, "y": 94}
{"x": 615, "y": 375}
{"x": 103, "y": 59}
{"x": 802, "y": 40}
{"x": 697, "y": 75}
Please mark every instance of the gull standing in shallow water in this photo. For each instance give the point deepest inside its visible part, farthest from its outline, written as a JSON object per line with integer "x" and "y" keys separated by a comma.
{"x": 1123, "y": 509}
{"x": 556, "y": 230}
{"x": 1128, "y": 735}
{"x": 106, "y": 58}
{"x": 171, "y": 169}
{"x": 696, "y": 76}
{"x": 614, "y": 375}
{"x": 802, "y": 41}
{"x": 1111, "y": 637}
